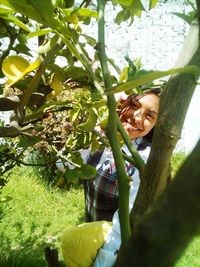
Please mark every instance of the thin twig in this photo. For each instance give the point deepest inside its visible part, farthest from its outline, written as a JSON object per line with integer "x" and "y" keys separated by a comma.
{"x": 26, "y": 163}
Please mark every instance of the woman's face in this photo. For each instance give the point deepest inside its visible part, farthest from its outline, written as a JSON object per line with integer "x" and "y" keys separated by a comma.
{"x": 141, "y": 117}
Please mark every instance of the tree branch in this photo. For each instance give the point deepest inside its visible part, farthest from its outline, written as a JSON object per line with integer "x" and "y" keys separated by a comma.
{"x": 111, "y": 130}
{"x": 138, "y": 161}
{"x": 107, "y": 144}
{"x": 9, "y": 103}
{"x": 18, "y": 161}
{"x": 36, "y": 79}
{"x": 9, "y": 131}
{"x": 164, "y": 233}
{"x": 198, "y": 13}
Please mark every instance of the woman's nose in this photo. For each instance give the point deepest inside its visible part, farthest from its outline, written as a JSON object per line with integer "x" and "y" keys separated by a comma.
{"x": 139, "y": 118}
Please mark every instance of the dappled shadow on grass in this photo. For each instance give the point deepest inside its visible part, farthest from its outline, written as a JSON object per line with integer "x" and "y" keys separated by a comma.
{"x": 21, "y": 259}
{"x": 21, "y": 253}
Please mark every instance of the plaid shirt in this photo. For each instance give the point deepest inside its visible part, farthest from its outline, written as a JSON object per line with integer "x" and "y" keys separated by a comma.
{"x": 101, "y": 192}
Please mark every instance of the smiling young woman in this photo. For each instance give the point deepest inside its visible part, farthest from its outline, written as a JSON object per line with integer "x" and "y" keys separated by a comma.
{"x": 138, "y": 114}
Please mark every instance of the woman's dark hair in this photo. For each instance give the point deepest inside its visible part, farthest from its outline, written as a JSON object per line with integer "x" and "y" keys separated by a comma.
{"x": 132, "y": 102}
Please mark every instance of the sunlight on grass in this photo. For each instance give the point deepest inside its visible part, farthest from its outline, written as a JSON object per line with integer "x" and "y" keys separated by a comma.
{"x": 177, "y": 160}
{"x": 34, "y": 216}
{"x": 190, "y": 257}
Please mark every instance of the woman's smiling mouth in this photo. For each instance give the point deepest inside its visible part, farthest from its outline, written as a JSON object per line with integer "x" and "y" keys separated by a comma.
{"x": 129, "y": 127}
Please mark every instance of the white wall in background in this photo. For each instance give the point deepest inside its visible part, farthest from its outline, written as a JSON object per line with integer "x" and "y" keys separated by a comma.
{"x": 191, "y": 129}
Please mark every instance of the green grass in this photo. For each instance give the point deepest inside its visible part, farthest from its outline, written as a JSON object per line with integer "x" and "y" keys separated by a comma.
{"x": 190, "y": 257}
{"x": 177, "y": 160}
{"x": 35, "y": 214}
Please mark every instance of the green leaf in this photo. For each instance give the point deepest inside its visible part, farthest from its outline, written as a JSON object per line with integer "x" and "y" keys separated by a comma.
{"x": 130, "y": 10}
{"x": 16, "y": 21}
{"x": 87, "y": 171}
{"x": 53, "y": 104}
{"x": 68, "y": 56}
{"x": 74, "y": 114}
{"x": 69, "y": 3}
{"x": 26, "y": 142}
{"x": 76, "y": 158}
{"x": 121, "y": 16}
{"x": 126, "y": 3}
{"x": 5, "y": 9}
{"x": 3, "y": 32}
{"x": 187, "y": 18}
{"x": 86, "y": 12}
{"x": 59, "y": 3}
{"x": 75, "y": 73}
{"x": 89, "y": 125}
{"x": 140, "y": 73}
{"x": 90, "y": 40}
{"x": 149, "y": 77}
{"x": 124, "y": 74}
{"x": 41, "y": 11}
{"x": 132, "y": 69}
{"x": 152, "y": 3}
{"x": 137, "y": 4}
{"x": 23, "y": 49}
{"x": 135, "y": 12}
{"x": 39, "y": 33}
{"x": 70, "y": 175}
{"x": 42, "y": 49}
{"x": 83, "y": 140}
{"x": 22, "y": 38}
{"x": 22, "y": 84}
{"x": 103, "y": 123}
{"x": 94, "y": 143}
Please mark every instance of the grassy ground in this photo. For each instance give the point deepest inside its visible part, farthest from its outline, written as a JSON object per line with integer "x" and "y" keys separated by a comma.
{"x": 190, "y": 257}
{"x": 34, "y": 214}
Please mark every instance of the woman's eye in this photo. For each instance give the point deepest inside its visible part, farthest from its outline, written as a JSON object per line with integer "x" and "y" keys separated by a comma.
{"x": 150, "y": 116}
{"x": 135, "y": 105}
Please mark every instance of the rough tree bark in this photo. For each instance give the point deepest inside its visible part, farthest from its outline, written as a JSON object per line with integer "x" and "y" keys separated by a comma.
{"x": 164, "y": 233}
{"x": 175, "y": 101}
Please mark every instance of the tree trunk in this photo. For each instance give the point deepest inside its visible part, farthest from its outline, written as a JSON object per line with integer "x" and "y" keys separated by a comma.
{"x": 165, "y": 232}
{"x": 175, "y": 101}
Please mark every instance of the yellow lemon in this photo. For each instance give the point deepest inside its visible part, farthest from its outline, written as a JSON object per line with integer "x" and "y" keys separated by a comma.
{"x": 14, "y": 66}
{"x": 80, "y": 244}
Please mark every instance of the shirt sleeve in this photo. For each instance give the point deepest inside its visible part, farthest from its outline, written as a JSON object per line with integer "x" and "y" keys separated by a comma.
{"x": 136, "y": 178}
